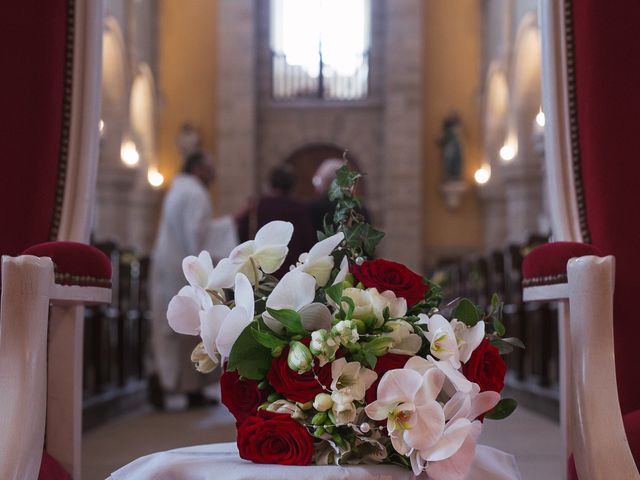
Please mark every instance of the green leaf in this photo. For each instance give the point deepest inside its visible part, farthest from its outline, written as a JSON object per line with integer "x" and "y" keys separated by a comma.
{"x": 370, "y": 359}
{"x": 502, "y": 346}
{"x": 466, "y": 312}
{"x": 267, "y": 339}
{"x": 334, "y": 292}
{"x": 350, "y": 304}
{"x": 346, "y": 177}
{"x": 248, "y": 357}
{"x": 503, "y": 409}
{"x": 516, "y": 342}
{"x": 289, "y": 318}
{"x": 498, "y": 327}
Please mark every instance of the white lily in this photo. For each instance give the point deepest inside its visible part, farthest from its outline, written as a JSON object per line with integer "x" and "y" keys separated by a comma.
{"x": 344, "y": 269}
{"x": 319, "y": 262}
{"x": 296, "y": 291}
{"x": 405, "y": 341}
{"x": 379, "y": 301}
{"x": 350, "y": 380}
{"x": 265, "y": 254}
{"x": 222, "y": 326}
{"x": 407, "y": 400}
{"x": 344, "y": 412}
{"x": 285, "y": 406}
{"x": 361, "y": 300}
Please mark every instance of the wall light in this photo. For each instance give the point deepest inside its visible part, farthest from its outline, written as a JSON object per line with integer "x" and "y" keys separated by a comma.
{"x": 155, "y": 178}
{"x": 129, "y": 153}
{"x": 482, "y": 175}
{"x": 540, "y": 118}
{"x": 509, "y": 150}
{"x": 101, "y": 127}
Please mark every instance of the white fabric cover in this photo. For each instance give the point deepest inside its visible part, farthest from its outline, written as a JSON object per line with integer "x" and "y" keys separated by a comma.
{"x": 221, "y": 461}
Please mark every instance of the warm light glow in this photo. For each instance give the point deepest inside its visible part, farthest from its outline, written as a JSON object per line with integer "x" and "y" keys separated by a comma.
{"x": 540, "y": 118}
{"x": 129, "y": 153}
{"x": 155, "y": 178}
{"x": 507, "y": 153}
{"x": 482, "y": 175}
{"x": 101, "y": 127}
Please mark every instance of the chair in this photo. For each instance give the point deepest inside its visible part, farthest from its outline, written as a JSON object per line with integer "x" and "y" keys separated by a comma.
{"x": 591, "y": 72}
{"x": 48, "y": 139}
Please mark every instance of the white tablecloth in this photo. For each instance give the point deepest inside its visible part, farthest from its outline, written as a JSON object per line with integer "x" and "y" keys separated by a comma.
{"x": 221, "y": 462}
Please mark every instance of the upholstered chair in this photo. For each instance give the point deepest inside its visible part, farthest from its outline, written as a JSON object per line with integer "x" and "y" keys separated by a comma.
{"x": 591, "y": 76}
{"x": 51, "y": 59}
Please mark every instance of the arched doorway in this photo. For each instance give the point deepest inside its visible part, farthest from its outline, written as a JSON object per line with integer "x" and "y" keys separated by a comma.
{"x": 305, "y": 160}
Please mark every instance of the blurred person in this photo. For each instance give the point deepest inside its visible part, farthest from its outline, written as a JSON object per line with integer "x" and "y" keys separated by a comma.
{"x": 186, "y": 228}
{"x": 279, "y": 204}
{"x": 321, "y": 206}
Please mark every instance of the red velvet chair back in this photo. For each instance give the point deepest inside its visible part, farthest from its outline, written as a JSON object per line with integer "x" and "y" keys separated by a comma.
{"x": 605, "y": 108}
{"x": 34, "y": 125}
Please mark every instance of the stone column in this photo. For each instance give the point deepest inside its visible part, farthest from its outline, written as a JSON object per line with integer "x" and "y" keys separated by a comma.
{"x": 403, "y": 132}
{"x": 236, "y": 103}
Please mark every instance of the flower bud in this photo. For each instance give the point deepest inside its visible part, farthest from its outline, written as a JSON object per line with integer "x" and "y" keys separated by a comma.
{"x": 323, "y": 346}
{"x": 322, "y": 402}
{"x": 203, "y": 362}
{"x": 346, "y": 331}
{"x": 285, "y": 406}
{"x": 305, "y": 406}
{"x": 300, "y": 358}
{"x": 277, "y": 351}
{"x": 319, "y": 418}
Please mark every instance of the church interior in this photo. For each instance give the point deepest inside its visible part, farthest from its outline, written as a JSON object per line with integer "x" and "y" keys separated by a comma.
{"x": 495, "y": 143}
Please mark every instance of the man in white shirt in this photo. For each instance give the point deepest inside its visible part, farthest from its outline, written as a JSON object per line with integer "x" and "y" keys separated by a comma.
{"x": 186, "y": 228}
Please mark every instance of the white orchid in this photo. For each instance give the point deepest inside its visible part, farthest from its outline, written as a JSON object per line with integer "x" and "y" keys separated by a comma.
{"x": 455, "y": 380}
{"x": 184, "y": 309}
{"x": 405, "y": 341}
{"x": 319, "y": 262}
{"x": 265, "y": 254}
{"x": 407, "y": 400}
{"x": 222, "y": 326}
{"x": 350, "y": 380}
{"x": 200, "y": 273}
{"x": 296, "y": 291}
{"x": 451, "y": 341}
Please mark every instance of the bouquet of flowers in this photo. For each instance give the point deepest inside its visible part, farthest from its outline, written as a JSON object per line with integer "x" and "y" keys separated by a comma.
{"x": 345, "y": 359}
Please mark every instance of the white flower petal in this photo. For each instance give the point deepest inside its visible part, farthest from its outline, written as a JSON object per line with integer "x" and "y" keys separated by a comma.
{"x": 233, "y": 325}
{"x": 242, "y": 252}
{"x": 452, "y": 439}
{"x": 272, "y": 323}
{"x": 408, "y": 346}
{"x": 198, "y": 269}
{"x": 270, "y": 258}
{"x": 211, "y": 321}
{"x": 428, "y": 428}
{"x": 325, "y": 247}
{"x": 243, "y": 292}
{"x": 224, "y": 274}
{"x": 472, "y": 337}
{"x": 295, "y": 290}
{"x": 482, "y": 403}
{"x": 315, "y": 316}
{"x": 344, "y": 269}
{"x": 320, "y": 269}
{"x": 432, "y": 382}
{"x": 183, "y": 315}
{"x": 457, "y": 466}
{"x": 274, "y": 233}
{"x": 399, "y": 385}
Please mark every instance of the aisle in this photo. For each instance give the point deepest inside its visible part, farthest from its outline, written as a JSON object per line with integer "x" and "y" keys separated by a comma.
{"x": 534, "y": 439}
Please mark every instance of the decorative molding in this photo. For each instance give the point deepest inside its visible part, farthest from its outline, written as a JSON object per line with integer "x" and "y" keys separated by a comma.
{"x": 545, "y": 280}
{"x": 573, "y": 121}
{"x": 66, "y": 121}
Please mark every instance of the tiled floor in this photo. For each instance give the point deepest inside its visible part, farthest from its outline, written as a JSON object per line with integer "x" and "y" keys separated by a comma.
{"x": 533, "y": 439}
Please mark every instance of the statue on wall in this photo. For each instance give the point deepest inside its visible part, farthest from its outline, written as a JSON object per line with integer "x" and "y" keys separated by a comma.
{"x": 451, "y": 149}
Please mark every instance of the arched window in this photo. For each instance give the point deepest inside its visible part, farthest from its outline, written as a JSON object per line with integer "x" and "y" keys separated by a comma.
{"x": 320, "y": 49}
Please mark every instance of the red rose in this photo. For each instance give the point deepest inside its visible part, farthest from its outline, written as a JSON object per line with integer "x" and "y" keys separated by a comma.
{"x": 486, "y": 367}
{"x": 270, "y": 437}
{"x": 386, "y": 275}
{"x": 294, "y": 386}
{"x": 241, "y": 397}
{"x": 387, "y": 362}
